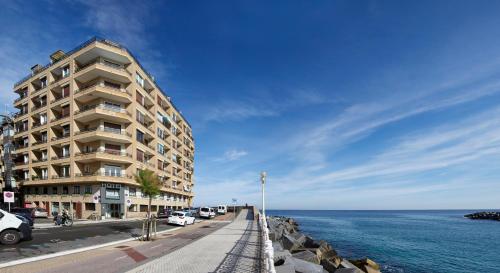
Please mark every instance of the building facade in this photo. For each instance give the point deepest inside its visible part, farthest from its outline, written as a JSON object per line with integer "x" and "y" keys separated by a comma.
{"x": 86, "y": 123}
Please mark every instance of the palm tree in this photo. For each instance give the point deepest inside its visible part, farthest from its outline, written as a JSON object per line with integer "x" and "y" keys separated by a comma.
{"x": 150, "y": 186}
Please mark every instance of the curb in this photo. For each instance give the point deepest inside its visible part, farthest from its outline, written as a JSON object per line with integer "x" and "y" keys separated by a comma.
{"x": 78, "y": 250}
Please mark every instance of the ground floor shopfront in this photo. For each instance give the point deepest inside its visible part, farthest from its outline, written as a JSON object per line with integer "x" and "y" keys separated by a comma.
{"x": 100, "y": 201}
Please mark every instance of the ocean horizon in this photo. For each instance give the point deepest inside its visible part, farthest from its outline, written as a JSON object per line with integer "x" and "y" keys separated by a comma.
{"x": 406, "y": 241}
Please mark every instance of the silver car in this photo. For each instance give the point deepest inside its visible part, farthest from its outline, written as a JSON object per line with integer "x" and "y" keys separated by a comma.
{"x": 40, "y": 213}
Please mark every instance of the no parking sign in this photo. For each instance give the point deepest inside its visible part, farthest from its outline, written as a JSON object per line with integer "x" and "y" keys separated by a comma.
{"x": 8, "y": 197}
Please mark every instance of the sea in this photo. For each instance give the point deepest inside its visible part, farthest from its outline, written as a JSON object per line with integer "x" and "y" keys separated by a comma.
{"x": 402, "y": 241}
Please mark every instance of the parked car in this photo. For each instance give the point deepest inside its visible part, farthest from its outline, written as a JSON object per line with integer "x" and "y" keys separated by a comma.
{"x": 221, "y": 209}
{"x": 164, "y": 212}
{"x": 13, "y": 228}
{"x": 181, "y": 218}
{"x": 40, "y": 213}
{"x": 207, "y": 212}
{"x": 24, "y": 212}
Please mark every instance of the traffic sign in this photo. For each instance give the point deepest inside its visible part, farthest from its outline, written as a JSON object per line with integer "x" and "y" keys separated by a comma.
{"x": 8, "y": 197}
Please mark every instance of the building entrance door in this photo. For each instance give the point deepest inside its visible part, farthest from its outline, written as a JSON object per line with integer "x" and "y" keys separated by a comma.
{"x": 115, "y": 210}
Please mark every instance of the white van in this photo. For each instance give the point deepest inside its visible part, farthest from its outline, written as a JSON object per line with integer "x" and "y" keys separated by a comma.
{"x": 13, "y": 228}
{"x": 207, "y": 212}
{"x": 221, "y": 209}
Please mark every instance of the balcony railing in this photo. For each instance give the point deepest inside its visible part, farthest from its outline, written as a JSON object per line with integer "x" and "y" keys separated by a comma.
{"x": 40, "y": 160}
{"x": 101, "y": 173}
{"x": 38, "y": 106}
{"x": 103, "y": 62}
{"x": 40, "y": 142}
{"x": 87, "y": 88}
{"x": 106, "y": 151}
{"x": 61, "y": 137}
{"x": 107, "y": 130}
{"x": 38, "y": 124}
{"x": 61, "y": 176}
{"x": 21, "y": 146}
{"x": 20, "y": 114}
{"x": 58, "y": 98}
{"x": 103, "y": 107}
{"x": 20, "y": 98}
{"x": 57, "y": 157}
{"x": 60, "y": 117}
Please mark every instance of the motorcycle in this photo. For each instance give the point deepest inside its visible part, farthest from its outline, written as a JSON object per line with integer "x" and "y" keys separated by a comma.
{"x": 64, "y": 220}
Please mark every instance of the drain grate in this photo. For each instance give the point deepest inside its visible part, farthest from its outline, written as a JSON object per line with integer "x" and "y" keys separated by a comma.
{"x": 206, "y": 227}
{"x": 121, "y": 246}
{"x": 166, "y": 235}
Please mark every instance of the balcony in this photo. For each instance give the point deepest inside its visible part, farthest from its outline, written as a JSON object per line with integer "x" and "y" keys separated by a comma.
{"x": 38, "y": 106}
{"x": 20, "y": 114}
{"x": 58, "y": 99}
{"x": 59, "y": 118}
{"x": 40, "y": 142}
{"x": 102, "y": 111}
{"x": 103, "y": 177}
{"x": 22, "y": 98}
{"x": 89, "y": 135}
{"x": 104, "y": 155}
{"x": 102, "y": 68}
{"x": 102, "y": 90}
{"x": 38, "y": 125}
{"x": 64, "y": 136}
{"x": 57, "y": 158}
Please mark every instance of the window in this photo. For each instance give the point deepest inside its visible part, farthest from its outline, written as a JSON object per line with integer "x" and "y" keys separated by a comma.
{"x": 43, "y": 119}
{"x": 65, "y": 91}
{"x": 144, "y": 208}
{"x": 139, "y": 136}
{"x": 90, "y": 206}
{"x": 65, "y": 71}
{"x": 45, "y": 174}
{"x": 112, "y": 85}
{"x": 139, "y": 98}
{"x": 66, "y": 130}
{"x": 111, "y": 170}
{"x": 65, "y": 111}
{"x": 44, "y": 137}
{"x": 133, "y": 208}
{"x": 132, "y": 192}
{"x": 65, "y": 151}
{"x": 140, "y": 155}
{"x": 160, "y": 165}
{"x": 65, "y": 171}
{"x": 88, "y": 189}
{"x": 160, "y": 133}
{"x": 140, "y": 117}
{"x": 44, "y": 155}
{"x": 54, "y": 190}
{"x": 161, "y": 149}
{"x": 112, "y": 127}
{"x": 36, "y": 190}
{"x": 139, "y": 80}
{"x": 28, "y": 190}
{"x": 26, "y": 158}
{"x": 76, "y": 189}
{"x": 112, "y": 149}
{"x": 112, "y": 106}
{"x": 43, "y": 82}
{"x": 45, "y": 190}
{"x": 65, "y": 190}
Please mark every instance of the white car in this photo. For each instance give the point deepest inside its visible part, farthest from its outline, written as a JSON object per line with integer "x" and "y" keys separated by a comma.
{"x": 13, "y": 228}
{"x": 221, "y": 209}
{"x": 207, "y": 212}
{"x": 181, "y": 218}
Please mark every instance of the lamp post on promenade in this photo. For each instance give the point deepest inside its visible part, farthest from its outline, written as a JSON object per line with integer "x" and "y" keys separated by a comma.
{"x": 263, "y": 181}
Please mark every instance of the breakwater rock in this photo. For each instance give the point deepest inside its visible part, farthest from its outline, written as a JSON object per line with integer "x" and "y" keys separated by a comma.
{"x": 484, "y": 215}
{"x": 295, "y": 252}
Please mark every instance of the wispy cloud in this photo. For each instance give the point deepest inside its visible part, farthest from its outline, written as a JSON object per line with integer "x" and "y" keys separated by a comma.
{"x": 232, "y": 155}
{"x": 264, "y": 106}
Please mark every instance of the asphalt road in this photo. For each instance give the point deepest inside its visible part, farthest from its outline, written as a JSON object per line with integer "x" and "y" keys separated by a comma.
{"x": 56, "y": 239}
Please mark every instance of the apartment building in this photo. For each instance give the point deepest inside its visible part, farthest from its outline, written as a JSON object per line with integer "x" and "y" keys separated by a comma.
{"x": 86, "y": 123}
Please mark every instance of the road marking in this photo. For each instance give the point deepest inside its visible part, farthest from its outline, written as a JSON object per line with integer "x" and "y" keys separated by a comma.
{"x": 73, "y": 251}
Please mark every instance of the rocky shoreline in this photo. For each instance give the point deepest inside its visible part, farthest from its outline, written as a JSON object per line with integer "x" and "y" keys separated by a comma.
{"x": 295, "y": 252}
{"x": 484, "y": 215}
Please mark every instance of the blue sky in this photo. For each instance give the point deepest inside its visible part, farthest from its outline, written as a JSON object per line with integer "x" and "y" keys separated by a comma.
{"x": 346, "y": 104}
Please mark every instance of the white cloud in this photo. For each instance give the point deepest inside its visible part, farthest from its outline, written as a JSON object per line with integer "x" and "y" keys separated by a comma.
{"x": 232, "y": 155}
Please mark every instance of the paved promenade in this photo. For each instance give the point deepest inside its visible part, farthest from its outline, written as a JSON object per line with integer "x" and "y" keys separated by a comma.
{"x": 233, "y": 248}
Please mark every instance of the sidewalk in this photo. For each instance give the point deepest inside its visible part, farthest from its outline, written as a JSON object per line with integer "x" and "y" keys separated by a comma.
{"x": 233, "y": 248}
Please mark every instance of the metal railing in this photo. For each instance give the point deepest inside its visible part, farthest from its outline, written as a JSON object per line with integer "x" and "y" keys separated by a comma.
{"x": 87, "y": 88}
{"x": 267, "y": 246}
{"x": 103, "y": 107}
{"x": 106, "y": 130}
